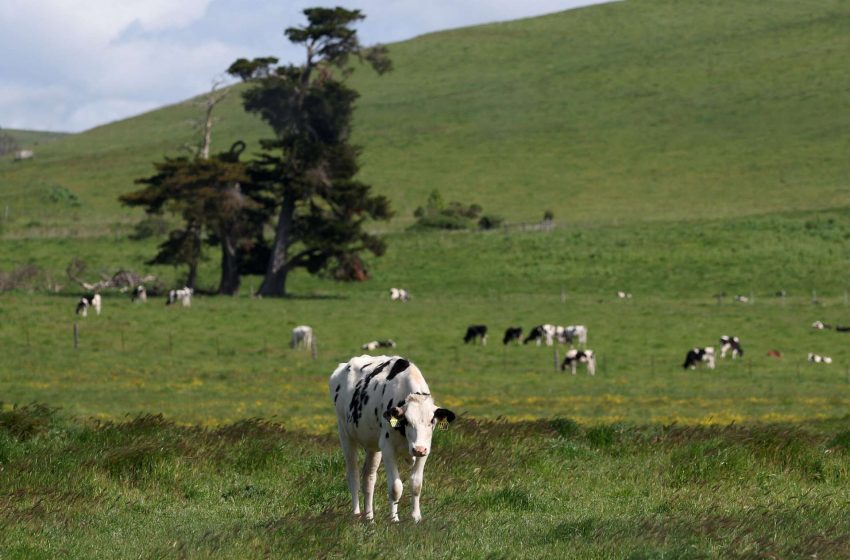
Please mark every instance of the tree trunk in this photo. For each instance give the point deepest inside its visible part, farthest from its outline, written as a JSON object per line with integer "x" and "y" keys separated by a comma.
{"x": 229, "y": 284}
{"x": 192, "y": 277}
{"x": 195, "y": 259}
{"x": 274, "y": 283}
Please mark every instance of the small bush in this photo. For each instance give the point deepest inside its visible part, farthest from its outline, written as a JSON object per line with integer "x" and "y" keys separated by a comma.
{"x": 490, "y": 221}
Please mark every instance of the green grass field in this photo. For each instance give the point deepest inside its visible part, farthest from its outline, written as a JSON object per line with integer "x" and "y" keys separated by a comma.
{"x": 686, "y": 149}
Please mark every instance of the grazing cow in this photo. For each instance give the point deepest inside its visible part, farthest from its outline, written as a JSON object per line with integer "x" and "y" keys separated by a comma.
{"x": 302, "y": 337}
{"x": 139, "y": 294}
{"x": 574, "y": 357}
{"x": 699, "y": 355}
{"x": 476, "y": 332}
{"x": 774, "y": 354}
{"x": 742, "y": 299}
{"x": 86, "y": 302}
{"x": 732, "y": 343}
{"x": 21, "y": 155}
{"x": 624, "y": 295}
{"x": 574, "y": 332}
{"x": 818, "y": 359}
{"x": 184, "y": 296}
{"x": 541, "y": 333}
{"x": 378, "y": 344}
{"x": 399, "y": 294}
{"x": 820, "y": 325}
{"x": 384, "y": 406}
{"x": 512, "y": 334}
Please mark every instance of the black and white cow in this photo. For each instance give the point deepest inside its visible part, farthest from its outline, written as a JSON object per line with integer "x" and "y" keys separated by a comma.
{"x": 541, "y": 333}
{"x": 697, "y": 356}
{"x": 183, "y": 295}
{"x": 818, "y": 359}
{"x": 374, "y": 344}
{"x": 302, "y": 337}
{"x": 512, "y": 334}
{"x": 139, "y": 294}
{"x": 384, "y": 406}
{"x": 820, "y": 325}
{"x": 476, "y": 332}
{"x": 565, "y": 335}
{"x": 399, "y": 294}
{"x": 574, "y": 332}
{"x": 85, "y": 302}
{"x": 732, "y": 343}
{"x": 574, "y": 357}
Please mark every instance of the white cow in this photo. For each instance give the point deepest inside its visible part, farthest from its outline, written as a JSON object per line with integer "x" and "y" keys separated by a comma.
{"x": 818, "y": 359}
{"x": 574, "y": 357}
{"x": 624, "y": 295}
{"x": 375, "y": 344}
{"x": 399, "y": 294}
{"x": 575, "y": 332}
{"x": 184, "y": 296}
{"x": 86, "y": 302}
{"x": 820, "y": 325}
{"x": 302, "y": 337}
{"x": 384, "y": 406}
{"x": 139, "y": 294}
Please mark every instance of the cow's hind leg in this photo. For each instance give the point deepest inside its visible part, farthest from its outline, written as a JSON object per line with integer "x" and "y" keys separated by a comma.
{"x": 349, "y": 451}
{"x": 369, "y": 476}
{"x": 416, "y": 477}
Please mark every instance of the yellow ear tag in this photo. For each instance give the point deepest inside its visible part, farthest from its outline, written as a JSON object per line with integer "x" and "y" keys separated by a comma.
{"x": 393, "y": 422}
{"x": 443, "y": 424}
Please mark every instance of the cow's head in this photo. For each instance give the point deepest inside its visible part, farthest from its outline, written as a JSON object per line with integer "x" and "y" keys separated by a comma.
{"x": 416, "y": 419}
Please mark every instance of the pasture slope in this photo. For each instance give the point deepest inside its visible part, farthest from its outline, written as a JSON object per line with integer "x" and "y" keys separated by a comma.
{"x": 632, "y": 111}
{"x": 687, "y": 149}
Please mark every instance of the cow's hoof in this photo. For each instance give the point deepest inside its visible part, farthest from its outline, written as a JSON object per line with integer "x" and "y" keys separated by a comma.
{"x": 394, "y": 520}
{"x": 417, "y": 518}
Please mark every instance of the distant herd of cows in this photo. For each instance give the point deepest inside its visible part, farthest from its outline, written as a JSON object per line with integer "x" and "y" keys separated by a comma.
{"x": 302, "y": 335}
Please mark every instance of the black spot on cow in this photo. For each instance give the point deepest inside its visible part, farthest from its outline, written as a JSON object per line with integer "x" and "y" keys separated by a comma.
{"x": 335, "y": 398}
{"x": 399, "y": 366}
{"x": 337, "y": 388}
{"x": 387, "y": 435}
{"x": 400, "y": 403}
{"x": 384, "y": 390}
{"x": 381, "y": 367}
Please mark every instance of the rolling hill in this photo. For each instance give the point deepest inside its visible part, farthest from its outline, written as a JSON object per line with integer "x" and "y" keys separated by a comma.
{"x": 628, "y": 112}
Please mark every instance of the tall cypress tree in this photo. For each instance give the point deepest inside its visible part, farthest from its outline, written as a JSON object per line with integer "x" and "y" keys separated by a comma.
{"x": 309, "y": 166}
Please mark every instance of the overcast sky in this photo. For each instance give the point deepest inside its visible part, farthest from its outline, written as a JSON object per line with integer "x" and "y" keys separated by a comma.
{"x": 69, "y": 65}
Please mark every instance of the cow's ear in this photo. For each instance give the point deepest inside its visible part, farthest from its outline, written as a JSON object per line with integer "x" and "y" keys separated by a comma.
{"x": 442, "y": 414}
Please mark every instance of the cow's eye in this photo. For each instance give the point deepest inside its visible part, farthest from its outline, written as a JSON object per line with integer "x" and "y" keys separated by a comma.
{"x": 434, "y": 420}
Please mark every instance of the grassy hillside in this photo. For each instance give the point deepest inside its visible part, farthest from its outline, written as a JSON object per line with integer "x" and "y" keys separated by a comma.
{"x": 633, "y": 111}
{"x": 33, "y": 138}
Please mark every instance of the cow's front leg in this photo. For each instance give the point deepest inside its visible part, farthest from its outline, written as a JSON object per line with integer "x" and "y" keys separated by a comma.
{"x": 416, "y": 485}
{"x": 370, "y": 475}
{"x": 394, "y": 485}
{"x": 349, "y": 451}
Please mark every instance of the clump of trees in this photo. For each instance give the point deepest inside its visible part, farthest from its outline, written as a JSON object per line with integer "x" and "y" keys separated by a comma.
{"x": 303, "y": 183}
{"x": 437, "y": 214}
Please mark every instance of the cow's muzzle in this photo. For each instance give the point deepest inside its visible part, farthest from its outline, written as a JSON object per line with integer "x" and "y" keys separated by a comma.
{"x": 420, "y": 451}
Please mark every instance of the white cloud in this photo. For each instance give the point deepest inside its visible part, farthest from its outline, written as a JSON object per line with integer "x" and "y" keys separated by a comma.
{"x": 81, "y": 63}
